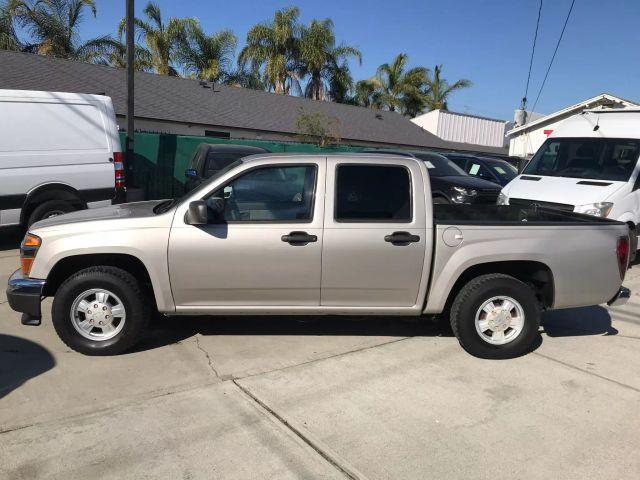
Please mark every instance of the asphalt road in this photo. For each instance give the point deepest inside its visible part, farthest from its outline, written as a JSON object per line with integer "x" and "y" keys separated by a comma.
{"x": 322, "y": 398}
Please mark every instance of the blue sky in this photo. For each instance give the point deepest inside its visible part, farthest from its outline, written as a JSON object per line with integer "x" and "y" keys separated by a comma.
{"x": 486, "y": 41}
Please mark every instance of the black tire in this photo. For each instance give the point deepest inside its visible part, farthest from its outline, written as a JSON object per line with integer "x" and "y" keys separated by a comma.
{"x": 122, "y": 284}
{"x": 473, "y": 295}
{"x": 48, "y": 209}
{"x": 441, "y": 201}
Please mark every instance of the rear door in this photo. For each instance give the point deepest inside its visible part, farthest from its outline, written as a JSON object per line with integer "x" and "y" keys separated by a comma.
{"x": 375, "y": 233}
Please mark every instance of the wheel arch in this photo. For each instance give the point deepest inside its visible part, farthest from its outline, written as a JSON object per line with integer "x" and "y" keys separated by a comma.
{"x": 50, "y": 191}
{"x": 67, "y": 266}
{"x": 536, "y": 274}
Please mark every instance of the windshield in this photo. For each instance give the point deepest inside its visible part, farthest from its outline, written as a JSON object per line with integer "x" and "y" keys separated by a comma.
{"x": 503, "y": 169}
{"x": 169, "y": 204}
{"x": 440, "y": 166}
{"x": 593, "y": 158}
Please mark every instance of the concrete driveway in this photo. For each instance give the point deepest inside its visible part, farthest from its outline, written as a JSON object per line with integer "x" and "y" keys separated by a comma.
{"x": 322, "y": 398}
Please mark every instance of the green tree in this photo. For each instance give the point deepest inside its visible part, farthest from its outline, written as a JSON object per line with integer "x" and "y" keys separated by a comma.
{"x": 318, "y": 128}
{"x": 324, "y": 62}
{"x": 398, "y": 89}
{"x": 117, "y": 57}
{"x": 244, "y": 77}
{"x": 207, "y": 57}
{"x": 8, "y": 38}
{"x": 54, "y": 25}
{"x": 274, "y": 46}
{"x": 163, "y": 40}
{"x": 439, "y": 89}
{"x": 367, "y": 94}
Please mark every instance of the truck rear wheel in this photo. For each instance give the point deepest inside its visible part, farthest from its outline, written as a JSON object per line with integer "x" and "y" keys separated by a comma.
{"x": 100, "y": 311}
{"x": 496, "y": 316}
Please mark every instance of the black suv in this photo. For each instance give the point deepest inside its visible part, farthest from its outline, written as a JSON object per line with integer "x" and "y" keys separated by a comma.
{"x": 209, "y": 158}
{"x": 486, "y": 168}
{"x": 449, "y": 183}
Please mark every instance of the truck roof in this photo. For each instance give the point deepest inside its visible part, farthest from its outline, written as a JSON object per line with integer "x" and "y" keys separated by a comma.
{"x": 605, "y": 123}
{"x": 287, "y": 155}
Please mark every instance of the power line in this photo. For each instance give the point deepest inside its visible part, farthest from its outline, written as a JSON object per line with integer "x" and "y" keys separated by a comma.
{"x": 533, "y": 51}
{"x": 554, "y": 55}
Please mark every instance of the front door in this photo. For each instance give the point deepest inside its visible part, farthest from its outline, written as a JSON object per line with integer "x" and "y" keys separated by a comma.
{"x": 375, "y": 235}
{"x": 266, "y": 251}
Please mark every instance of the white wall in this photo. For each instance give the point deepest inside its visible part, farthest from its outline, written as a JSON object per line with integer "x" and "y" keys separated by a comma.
{"x": 527, "y": 143}
{"x": 456, "y": 127}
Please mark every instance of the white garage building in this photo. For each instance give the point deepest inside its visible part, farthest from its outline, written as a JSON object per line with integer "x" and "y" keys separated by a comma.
{"x": 525, "y": 140}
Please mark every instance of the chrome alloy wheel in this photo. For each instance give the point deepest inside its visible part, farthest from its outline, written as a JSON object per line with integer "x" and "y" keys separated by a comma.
{"x": 499, "y": 320}
{"x": 98, "y": 314}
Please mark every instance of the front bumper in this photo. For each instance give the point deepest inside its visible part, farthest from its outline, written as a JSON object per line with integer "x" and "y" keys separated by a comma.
{"x": 620, "y": 298}
{"x": 24, "y": 294}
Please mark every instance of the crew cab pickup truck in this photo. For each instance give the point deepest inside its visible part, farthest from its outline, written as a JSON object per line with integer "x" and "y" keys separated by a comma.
{"x": 317, "y": 235}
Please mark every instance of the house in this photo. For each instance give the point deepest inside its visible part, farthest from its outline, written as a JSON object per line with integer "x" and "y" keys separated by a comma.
{"x": 461, "y": 128}
{"x": 183, "y": 106}
{"x": 524, "y": 140}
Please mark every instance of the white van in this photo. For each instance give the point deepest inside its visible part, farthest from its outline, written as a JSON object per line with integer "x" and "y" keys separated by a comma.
{"x": 589, "y": 164}
{"x": 59, "y": 152}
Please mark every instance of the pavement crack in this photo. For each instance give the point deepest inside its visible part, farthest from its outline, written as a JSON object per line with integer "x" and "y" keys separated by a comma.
{"x": 209, "y": 360}
{"x": 620, "y": 384}
{"x": 323, "y": 451}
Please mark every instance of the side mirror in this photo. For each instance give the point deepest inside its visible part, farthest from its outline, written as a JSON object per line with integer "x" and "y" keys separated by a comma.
{"x": 197, "y": 213}
{"x": 216, "y": 205}
{"x": 191, "y": 173}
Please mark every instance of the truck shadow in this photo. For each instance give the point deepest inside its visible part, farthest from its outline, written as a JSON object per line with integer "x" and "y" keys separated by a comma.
{"x": 168, "y": 330}
{"x": 20, "y": 361}
{"x": 576, "y": 322}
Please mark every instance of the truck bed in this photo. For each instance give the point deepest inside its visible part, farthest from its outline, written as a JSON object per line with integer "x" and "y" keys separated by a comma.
{"x": 511, "y": 215}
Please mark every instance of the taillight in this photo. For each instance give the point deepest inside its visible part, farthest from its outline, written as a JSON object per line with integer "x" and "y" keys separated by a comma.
{"x": 119, "y": 168}
{"x": 622, "y": 252}
{"x": 28, "y": 250}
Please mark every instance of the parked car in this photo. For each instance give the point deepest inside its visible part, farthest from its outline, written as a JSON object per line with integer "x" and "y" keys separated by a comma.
{"x": 360, "y": 237}
{"x": 486, "y": 168}
{"x": 59, "y": 152}
{"x": 589, "y": 164}
{"x": 210, "y": 158}
{"x": 449, "y": 183}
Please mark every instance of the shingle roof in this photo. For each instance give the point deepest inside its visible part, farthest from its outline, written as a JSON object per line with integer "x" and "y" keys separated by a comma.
{"x": 183, "y": 100}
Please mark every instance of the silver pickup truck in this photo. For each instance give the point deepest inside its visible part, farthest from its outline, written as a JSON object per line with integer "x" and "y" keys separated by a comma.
{"x": 317, "y": 235}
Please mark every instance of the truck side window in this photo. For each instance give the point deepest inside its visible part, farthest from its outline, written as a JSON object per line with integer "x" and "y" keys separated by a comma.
{"x": 373, "y": 193}
{"x": 271, "y": 194}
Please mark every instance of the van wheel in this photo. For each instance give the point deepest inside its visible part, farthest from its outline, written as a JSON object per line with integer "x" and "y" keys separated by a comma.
{"x": 496, "y": 316}
{"x": 48, "y": 209}
{"x": 100, "y": 311}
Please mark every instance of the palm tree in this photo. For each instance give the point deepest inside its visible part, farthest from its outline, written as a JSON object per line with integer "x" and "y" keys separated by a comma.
{"x": 207, "y": 57}
{"x": 117, "y": 57}
{"x": 366, "y": 94}
{"x": 400, "y": 90}
{"x": 321, "y": 59}
{"x": 163, "y": 40}
{"x": 275, "y": 45}
{"x": 340, "y": 82}
{"x": 8, "y": 38}
{"x": 439, "y": 89}
{"x": 54, "y": 25}
{"x": 244, "y": 77}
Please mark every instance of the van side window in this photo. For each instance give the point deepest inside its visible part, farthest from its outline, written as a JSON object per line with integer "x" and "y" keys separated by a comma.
{"x": 372, "y": 193}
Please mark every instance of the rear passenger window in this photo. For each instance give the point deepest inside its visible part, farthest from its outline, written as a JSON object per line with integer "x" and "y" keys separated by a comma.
{"x": 373, "y": 193}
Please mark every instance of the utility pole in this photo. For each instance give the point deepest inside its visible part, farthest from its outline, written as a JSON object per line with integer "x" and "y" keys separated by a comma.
{"x": 130, "y": 69}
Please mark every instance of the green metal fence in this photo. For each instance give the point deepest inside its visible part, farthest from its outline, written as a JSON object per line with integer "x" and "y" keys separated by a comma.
{"x": 161, "y": 159}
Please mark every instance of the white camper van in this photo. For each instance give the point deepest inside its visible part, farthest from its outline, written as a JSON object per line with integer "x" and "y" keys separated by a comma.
{"x": 589, "y": 164}
{"x": 59, "y": 152}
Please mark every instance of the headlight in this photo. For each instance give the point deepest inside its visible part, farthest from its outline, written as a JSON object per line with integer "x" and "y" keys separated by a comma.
{"x": 28, "y": 249}
{"x": 462, "y": 195}
{"x": 502, "y": 199}
{"x": 600, "y": 209}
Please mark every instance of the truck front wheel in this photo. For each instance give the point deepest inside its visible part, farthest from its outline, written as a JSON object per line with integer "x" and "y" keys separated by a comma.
{"x": 496, "y": 316}
{"x": 100, "y": 311}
